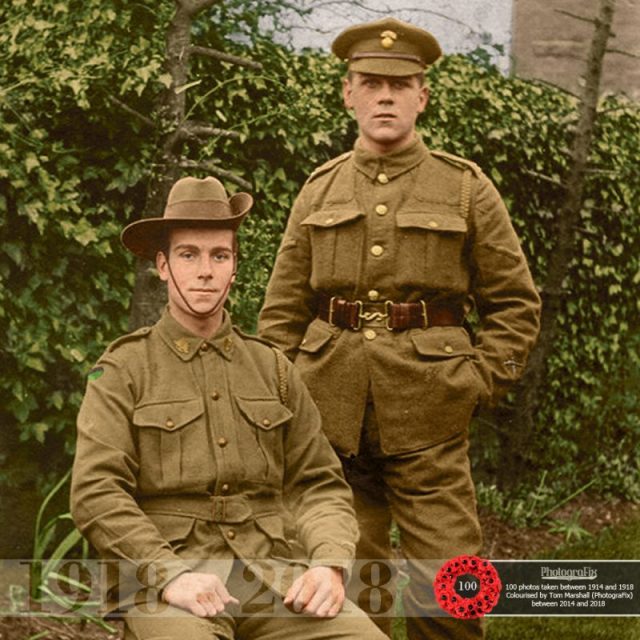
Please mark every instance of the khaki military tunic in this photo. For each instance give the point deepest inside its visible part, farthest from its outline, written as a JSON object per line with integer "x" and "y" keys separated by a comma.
{"x": 405, "y": 226}
{"x": 186, "y": 451}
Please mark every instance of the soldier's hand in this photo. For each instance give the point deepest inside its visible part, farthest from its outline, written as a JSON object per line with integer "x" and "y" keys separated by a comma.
{"x": 203, "y": 594}
{"x": 319, "y": 591}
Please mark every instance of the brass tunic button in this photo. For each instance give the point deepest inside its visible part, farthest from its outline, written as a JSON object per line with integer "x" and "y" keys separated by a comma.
{"x": 433, "y": 224}
{"x": 225, "y": 488}
{"x": 222, "y": 442}
{"x": 382, "y": 209}
{"x": 215, "y": 395}
{"x": 170, "y": 424}
{"x": 228, "y": 344}
{"x": 373, "y": 295}
{"x": 370, "y": 334}
{"x": 377, "y": 250}
{"x": 266, "y": 422}
{"x": 382, "y": 178}
{"x": 204, "y": 347}
{"x": 448, "y": 348}
{"x": 231, "y": 534}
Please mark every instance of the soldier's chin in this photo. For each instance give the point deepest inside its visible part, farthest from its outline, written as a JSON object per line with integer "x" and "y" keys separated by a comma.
{"x": 203, "y": 306}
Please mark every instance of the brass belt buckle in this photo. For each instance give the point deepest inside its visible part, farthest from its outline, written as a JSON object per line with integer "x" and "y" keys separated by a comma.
{"x": 359, "y": 306}
{"x": 368, "y": 316}
{"x": 425, "y": 316}
{"x": 331, "y": 311}
{"x": 388, "y": 305}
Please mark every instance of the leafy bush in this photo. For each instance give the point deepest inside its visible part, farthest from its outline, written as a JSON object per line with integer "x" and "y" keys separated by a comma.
{"x": 74, "y": 166}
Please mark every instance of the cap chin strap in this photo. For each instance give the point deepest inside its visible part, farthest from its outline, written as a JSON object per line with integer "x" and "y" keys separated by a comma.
{"x": 217, "y": 305}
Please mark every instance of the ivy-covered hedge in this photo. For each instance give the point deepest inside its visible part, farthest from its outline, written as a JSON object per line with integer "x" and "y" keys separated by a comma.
{"x": 74, "y": 167}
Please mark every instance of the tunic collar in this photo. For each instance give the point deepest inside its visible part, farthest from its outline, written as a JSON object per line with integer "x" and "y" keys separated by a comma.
{"x": 392, "y": 164}
{"x": 186, "y": 345}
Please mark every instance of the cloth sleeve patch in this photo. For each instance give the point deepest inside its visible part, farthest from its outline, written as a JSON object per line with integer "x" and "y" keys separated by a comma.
{"x": 95, "y": 373}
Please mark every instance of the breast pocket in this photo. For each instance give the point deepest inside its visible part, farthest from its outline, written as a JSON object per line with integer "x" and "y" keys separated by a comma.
{"x": 261, "y": 441}
{"x": 431, "y": 250}
{"x": 336, "y": 237}
{"x": 172, "y": 440}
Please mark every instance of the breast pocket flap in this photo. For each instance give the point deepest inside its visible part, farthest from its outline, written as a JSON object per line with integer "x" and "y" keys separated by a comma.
{"x": 332, "y": 217}
{"x": 449, "y": 342}
{"x": 431, "y": 221}
{"x": 264, "y": 413}
{"x": 172, "y": 527}
{"x": 169, "y": 416}
{"x": 315, "y": 338}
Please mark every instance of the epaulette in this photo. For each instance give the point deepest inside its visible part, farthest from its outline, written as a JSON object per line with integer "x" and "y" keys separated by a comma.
{"x": 457, "y": 161}
{"x": 250, "y": 336}
{"x": 129, "y": 337}
{"x": 327, "y": 166}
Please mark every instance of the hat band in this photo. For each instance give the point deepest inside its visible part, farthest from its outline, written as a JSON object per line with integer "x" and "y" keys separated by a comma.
{"x": 394, "y": 56}
{"x": 198, "y": 209}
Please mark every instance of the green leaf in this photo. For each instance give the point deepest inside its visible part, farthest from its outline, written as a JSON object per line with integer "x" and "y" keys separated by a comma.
{"x": 36, "y": 364}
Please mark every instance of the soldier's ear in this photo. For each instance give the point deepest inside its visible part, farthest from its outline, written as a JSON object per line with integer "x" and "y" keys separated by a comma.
{"x": 161, "y": 266}
{"x": 424, "y": 98}
{"x": 346, "y": 93}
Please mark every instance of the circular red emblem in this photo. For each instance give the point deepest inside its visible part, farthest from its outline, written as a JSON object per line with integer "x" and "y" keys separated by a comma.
{"x": 467, "y": 587}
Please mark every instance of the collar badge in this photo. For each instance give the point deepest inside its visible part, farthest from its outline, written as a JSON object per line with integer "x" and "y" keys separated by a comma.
{"x": 182, "y": 345}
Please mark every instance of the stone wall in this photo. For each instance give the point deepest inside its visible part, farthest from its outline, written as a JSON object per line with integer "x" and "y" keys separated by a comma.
{"x": 551, "y": 46}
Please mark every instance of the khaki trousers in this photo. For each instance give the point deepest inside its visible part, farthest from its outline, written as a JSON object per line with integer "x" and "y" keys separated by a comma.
{"x": 430, "y": 496}
{"x": 275, "y": 623}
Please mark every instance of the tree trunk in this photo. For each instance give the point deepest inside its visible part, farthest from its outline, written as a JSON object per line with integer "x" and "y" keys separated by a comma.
{"x": 149, "y": 294}
{"x": 519, "y": 424}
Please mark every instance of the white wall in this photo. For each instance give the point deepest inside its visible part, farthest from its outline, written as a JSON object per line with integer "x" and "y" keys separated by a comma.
{"x": 459, "y": 25}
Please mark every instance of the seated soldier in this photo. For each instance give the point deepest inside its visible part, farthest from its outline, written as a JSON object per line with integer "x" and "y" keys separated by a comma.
{"x": 190, "y": 435}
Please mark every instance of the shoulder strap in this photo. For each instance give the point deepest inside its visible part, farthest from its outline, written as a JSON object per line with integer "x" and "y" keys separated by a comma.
{"x": 457, "y": 161}
{"x": 328, "y": 166}
{"x": 283, "y": 387}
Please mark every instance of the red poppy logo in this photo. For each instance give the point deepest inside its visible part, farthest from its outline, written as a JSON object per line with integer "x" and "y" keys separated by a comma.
{"x": 467, "y": 587}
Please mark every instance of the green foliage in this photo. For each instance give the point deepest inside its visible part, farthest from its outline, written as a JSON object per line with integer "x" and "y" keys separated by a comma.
{"x": 570, "y": 528}
{"x": 74, "y": 167}
{"x": 520, "y": 133}
{"x": 528, "y": 507}
{"x": 569, "y": 628}
{"x": 50, "y": 579}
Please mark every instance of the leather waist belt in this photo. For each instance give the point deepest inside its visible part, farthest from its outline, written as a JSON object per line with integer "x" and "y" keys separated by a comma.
{"x": 397, "y": 316}
{"x": 228, "y": 509}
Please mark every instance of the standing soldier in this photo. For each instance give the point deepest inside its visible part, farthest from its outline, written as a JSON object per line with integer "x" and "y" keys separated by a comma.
{"x": 191, "y": 436}
{"x": 387, "y": 249}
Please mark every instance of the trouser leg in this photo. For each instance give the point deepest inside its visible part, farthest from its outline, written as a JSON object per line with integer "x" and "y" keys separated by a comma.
{"x": 176, "y": 624}
{"x": 275, "y": 622}
{"x": 432, "y": 500}
{"x": 260, "y": 615}
{"x": 373, "y": 551}
{"x": 350, "y": 624}
{"x": 365, "y": 474}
